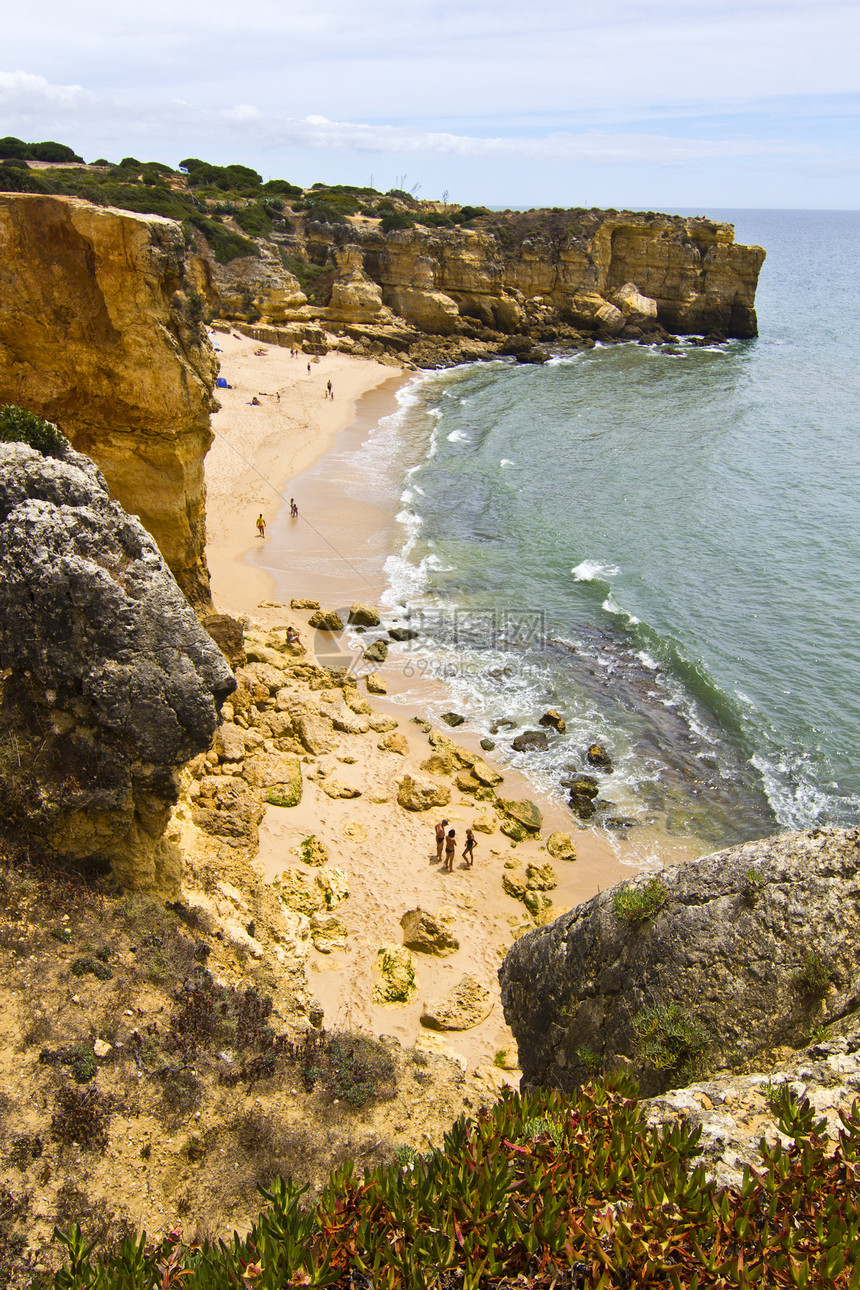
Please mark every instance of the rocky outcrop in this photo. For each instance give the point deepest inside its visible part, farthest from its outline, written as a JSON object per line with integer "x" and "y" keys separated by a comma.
{"x": 710, "y": 963}
{"x": 111, "y": 684}
{"x": 100, "y": 332}
{"x": 547, "y": 275}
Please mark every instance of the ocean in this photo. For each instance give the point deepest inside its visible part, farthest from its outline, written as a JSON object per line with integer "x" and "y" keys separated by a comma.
{"x": 663, "y": 546}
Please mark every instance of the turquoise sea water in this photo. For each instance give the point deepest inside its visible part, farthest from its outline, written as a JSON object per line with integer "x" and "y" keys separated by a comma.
{"x": 663, "y": 546}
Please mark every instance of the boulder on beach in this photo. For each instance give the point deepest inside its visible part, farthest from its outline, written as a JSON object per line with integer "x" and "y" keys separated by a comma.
{"x": 453, "y": 718}
{"x": 417, "y": 793}
{"x": 326, "y": 620}
{"x": 560, "y": 846}
{"x": 375, "y": 684}
{"x": 377, "y": 652}
{"x": 523, "y": 811}
{"x": 554, "y": 720}
{"x": 363, "y": 615}
{"x": 468, "y": 1004}
{"x": 427, "y": 933}
{"x": 397, "y": 982}
{"x": 301, "y": 603}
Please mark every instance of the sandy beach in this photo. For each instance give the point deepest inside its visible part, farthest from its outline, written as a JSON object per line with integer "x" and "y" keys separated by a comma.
{"x": 388, "y": 853}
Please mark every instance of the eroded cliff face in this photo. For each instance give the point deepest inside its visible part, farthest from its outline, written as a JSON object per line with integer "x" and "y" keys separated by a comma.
{"x": 98, "y": 334}
{"x": 548, "y": 275}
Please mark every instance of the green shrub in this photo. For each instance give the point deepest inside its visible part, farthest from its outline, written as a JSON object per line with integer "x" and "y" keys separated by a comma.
{"x": 669, "y": 1040}
{"x": 814, "y": 978}
{"x": 20, "y": 425}
{"x": 635, "y": 903}
{"x": 392, "y": 220}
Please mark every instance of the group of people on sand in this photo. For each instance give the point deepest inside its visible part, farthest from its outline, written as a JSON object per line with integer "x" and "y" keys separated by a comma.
{"x": 446, "y": 840}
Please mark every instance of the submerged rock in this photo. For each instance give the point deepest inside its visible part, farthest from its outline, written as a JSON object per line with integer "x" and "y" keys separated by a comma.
{"x": 530, "y": 741}
{"x": 112, "y": 683}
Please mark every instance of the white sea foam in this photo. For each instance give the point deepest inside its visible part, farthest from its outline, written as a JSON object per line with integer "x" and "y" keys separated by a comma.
{"x": 647, "y": 661}
{"x": 458, "y": 436}
{"x": 588, "y": 570}
{"x": 506, "y": 462}
{"x": 612, "y": 607}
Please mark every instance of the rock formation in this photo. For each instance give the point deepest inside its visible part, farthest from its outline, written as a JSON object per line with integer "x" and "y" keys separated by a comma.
{"x": 109, "y": 683}
{"x": 547, "y": 275}
{"x": 100, "y": 333}
{"x": 710, "y": 963}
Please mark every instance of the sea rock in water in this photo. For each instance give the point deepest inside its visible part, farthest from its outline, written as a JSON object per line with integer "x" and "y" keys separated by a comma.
{"x": 530, "y": 741}
{"x": 554, "y": 720}
{"x": 453, "y": 718}
{"x": 598, "y": 756}
{"x": 740, "y": 952}
{"x": 112, "y": 685}
{"x": 425, "y": 932}
{"x": 468, "y": 1004}
{"x": 377, "y": 652}
{"x": 403, "y": 633}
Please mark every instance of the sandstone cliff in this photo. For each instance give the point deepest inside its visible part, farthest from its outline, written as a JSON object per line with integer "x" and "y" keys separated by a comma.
{"x": 554, "y": 276}
{"x": 708, "y": 964}
{"x": 108, "y": 684}
{"x": 98, "y": 334}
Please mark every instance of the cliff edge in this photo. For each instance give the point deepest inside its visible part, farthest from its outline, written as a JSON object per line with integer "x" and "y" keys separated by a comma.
{"x": 98, "y": 334}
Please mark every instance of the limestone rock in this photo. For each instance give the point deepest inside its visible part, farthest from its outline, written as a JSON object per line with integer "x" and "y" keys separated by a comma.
{"x": 375, "y": 684}
{"x": 524, "y": 812}
{"x": 554, "y": 720}
{"x": 749, "y": 950}
{"x": 484, "y": 823}
{"x": 598, "y": 756}
{"x": 298, "y": 892}
{"x": 513, "y": 829}
{"x": 377, "y": 652}
{"x": 228, "y": 634}
{"x": 112, "y": 685}
{"x": 363, "y": 615}
{"x": 230, "y": 742}
{"x": 328, "y": 933}
{"x": 333, "y": 884}
{"x": 301, "y": 603}
{"x": 430, "y": 311}
{"x": 541, "y": 877}
{"x": 635, "y": 307}
{"x": 130, "y": 381}
{"x": 313, "y": 851}
{"x": 394, "y": 742}
{"x": 425, "y": 932}
{"x": 383, "y": 724}
{"x": 326, "y": 620}
{"x": 529, "y": 741}
{"x": 439, "y": 763}
{"x": 337, "y": 788}
{"x": 468, "y": 1004}
{"x": 484, "y": 774}
{"x": 415, "y": 793}
{"x": 453, "y": 718}
{"x": 466, "y": 782}
{"x": 560, "y": 846}
{"x": 397, "y": 983}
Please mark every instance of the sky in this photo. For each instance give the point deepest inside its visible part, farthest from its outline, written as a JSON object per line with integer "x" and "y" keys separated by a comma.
{"x": 641, "y": 104}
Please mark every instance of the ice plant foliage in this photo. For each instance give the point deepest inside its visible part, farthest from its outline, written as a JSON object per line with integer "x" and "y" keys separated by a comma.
{"x": 539, "y": 1191}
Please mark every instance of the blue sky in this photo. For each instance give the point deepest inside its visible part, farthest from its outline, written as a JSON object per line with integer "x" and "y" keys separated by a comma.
{"x": 661, "y": 105}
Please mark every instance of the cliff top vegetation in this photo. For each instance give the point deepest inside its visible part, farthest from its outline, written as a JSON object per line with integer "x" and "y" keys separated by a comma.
{"x": 230, "y": 205}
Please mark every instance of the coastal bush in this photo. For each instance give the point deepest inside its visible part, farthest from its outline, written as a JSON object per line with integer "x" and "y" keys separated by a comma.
{"x": 538, "y": 1190}
{"x": 392, "y": 220}
{"x": 20, "y": 425}
{"x": 636, "y": 903}
{"x": 670, "y": 1040}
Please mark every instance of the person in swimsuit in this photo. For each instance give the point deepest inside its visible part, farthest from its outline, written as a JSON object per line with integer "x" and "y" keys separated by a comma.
{"x": 468, "y": 849}
{"x": 294, "y": 510}
{"x": 261, "y": 526}
{"x": 450, "y": 848}
{"x": 440, "y": 838}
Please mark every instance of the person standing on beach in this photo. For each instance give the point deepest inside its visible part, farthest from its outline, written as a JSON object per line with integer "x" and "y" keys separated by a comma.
{"x": 294, "y": 510}
{"x": 329, "y": 391}
{"x": 469, "y": 848}
{"x": 440, "y": 837}
{"x": 309, "y": 367}
{"x": 450, "y": 848}
{"x": 261, "y": 525}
